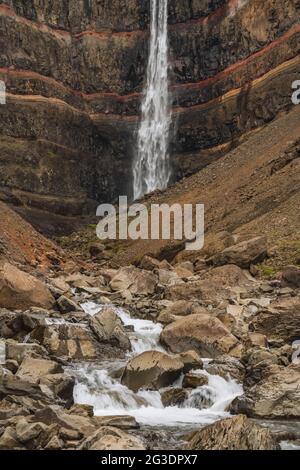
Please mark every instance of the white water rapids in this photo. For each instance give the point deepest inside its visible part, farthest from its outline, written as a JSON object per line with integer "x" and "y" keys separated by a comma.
{"x": 151, "y": 169}
{"x": 96, "y": 386}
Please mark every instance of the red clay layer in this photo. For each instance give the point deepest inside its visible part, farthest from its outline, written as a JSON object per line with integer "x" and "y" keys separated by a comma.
{"x": 189, "y": 86}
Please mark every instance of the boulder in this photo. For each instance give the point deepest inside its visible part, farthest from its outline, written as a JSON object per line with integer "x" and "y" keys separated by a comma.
{"x": 17, "y": 351}
{"x": 149, "y": 263}
{"x": 184, "y": 307}
{"x": 280, "y": 322}
{"x": 109, "y": 438}
{"x": 203, "y": 333}
{"x": 121, "y": 422}
{"x": 227, "y": 367}
{"x": 9, "y": 440}
{"x": 61, "y": 385}
{"x": 166, "y": 277}
{"x": 214, "y": 286}
{"x": 67, "y": 305}
{"x": 27, "y": 431}
{"x": 165, "y": 317}
{"x": 192, "y": 380}
{"x": 108, "y": 328}
{"x": 256, "y": 340}
{"x": 191, "y": 360}
{"x": 55, "y": 414}
{"x": 137, "y": 281}
{"x": 20, "y": 290}
{"x": 60, "y": 284}
{"x": 152, "y": 370}
{"x": 31, "y": 370}
{"x": 291, "y": 276}
{"x": 276, "y": 395}
{"x": 67, "y": 341}
{"x": 174, "y": 397}
{"x": 238, "y": 433}
{"x": 96, "y": 249}
{"x": 243, "y": 254}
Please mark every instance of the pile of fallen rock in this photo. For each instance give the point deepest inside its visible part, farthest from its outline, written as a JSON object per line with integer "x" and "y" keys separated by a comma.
{"x": 211, "y": 308}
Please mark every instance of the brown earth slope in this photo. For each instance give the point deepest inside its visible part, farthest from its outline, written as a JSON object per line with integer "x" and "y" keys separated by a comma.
{"x": 254, "y": 189}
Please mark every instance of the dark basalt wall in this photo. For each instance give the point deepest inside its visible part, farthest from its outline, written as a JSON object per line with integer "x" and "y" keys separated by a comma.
{"x": 74, "y": 72}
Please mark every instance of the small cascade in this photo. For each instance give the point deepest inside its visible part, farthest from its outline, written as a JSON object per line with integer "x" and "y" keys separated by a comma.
{"x": 97, "y": 386}
{"x": 151, "y": 169}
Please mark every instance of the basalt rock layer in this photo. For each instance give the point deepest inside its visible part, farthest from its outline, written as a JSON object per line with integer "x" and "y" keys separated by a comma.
{"x": 74, "y": 73}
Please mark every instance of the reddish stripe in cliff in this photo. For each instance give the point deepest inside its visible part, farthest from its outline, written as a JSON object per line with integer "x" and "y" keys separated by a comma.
{"x": 6, "y": 10}
{"x": 216, "y": 16}
{"x": 89, "y": 96}
{"x": 183, "y": 86}
{"x": 234, "y": 67}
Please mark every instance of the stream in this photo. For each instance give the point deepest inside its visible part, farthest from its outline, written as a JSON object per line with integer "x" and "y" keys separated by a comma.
{"x": 97, "y": 386}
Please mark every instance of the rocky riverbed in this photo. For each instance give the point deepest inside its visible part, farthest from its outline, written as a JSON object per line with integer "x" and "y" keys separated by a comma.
{"x": 188, "y": 355}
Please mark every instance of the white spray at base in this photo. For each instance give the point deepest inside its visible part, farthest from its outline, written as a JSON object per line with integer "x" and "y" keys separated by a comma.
{"x": 96, "y": 387}
{"x": 151, "y": 169}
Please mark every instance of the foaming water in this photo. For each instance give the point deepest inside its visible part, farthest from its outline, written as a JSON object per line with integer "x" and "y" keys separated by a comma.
{"x": 2, "y": 352}
{"x": 151, "y": 169}
{"x": 98, "y": 387}
{"x": 146, "y": 333}
{"x": 109, "y": 397}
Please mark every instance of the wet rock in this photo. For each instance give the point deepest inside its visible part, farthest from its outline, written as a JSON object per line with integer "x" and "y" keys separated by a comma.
{"x": 291, "y": 276}
{"x": 152, "y": 370}
{"x": 108, "y": 328}
{"x": 227, "y": 367}
{"x": 238, "y": 433}
{"x": 276, "y": 395}
{"x": 109, "y": 438}
{"x": 67, "y": 305}
{"x": 203, "y": 333}
{"x": 191, "y": 360}
{"x": 174, "y": 397}
{"x": 137, "y": 281}
{"x": 20, "y": 290}
{"x": 194, "y": 380}
{"x": 244, "y": 254}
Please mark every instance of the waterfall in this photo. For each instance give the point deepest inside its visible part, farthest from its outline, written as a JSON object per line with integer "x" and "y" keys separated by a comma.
{"x": 151, "y": 169}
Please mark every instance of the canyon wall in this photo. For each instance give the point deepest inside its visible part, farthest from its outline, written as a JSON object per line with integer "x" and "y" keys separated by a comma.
{"x": 74, "y": 73}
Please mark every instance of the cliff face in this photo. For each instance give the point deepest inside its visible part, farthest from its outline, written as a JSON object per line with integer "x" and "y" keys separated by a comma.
{"x": 74, "y": 73}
